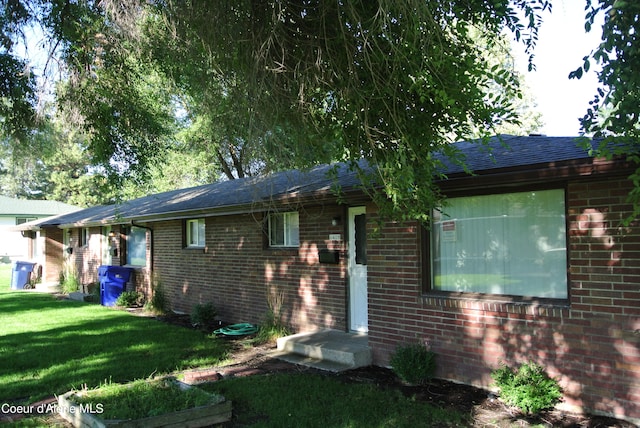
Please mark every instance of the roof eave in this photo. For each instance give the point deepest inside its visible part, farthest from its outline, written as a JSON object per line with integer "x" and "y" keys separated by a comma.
{"x": 536, "y": 173}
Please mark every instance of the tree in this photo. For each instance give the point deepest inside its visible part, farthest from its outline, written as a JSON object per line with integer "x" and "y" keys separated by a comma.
{"x": 60, "y": 170}
{"x": 310, "y": 81}
{"x": 17, "y": 84}
{"x": 613, "y": 114}
{"x": 391, "y": 82}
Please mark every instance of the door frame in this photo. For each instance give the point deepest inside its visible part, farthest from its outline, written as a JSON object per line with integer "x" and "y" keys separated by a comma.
{"x": 357, "y": 273}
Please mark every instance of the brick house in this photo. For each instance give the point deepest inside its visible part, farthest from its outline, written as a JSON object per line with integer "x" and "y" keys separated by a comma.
{"x": 529, "y": 260}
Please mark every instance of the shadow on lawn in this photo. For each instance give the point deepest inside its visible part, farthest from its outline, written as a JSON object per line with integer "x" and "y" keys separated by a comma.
{"x": 63, "y": 344}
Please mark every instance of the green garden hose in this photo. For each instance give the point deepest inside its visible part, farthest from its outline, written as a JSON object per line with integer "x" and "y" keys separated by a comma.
{"x": 241, "y": 329}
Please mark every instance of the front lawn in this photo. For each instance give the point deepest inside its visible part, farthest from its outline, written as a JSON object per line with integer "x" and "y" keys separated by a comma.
{"x": 5, "y": 276}
{"x": 48, "y": 346}
{"x": 312, "y": 400}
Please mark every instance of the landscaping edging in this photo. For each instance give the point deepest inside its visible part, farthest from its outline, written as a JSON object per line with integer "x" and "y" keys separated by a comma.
{"x": 89, "y": 416}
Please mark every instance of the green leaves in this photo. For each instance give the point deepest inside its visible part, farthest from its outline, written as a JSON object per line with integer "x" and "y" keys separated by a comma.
{"x": 283, "y": 84}
{"x": 528, "y": 388}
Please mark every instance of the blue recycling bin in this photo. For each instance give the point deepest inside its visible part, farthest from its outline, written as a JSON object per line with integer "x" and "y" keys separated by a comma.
{"x": 112, "y": 283}
{"x": 20, "y": 274}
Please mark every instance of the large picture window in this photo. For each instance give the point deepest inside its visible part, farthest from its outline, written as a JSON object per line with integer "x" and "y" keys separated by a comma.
{"x": 284, "y": 230}
{"x": 137, "y": 246}
{"x": 195, "y": 233}
{"x": 509, "y": 244}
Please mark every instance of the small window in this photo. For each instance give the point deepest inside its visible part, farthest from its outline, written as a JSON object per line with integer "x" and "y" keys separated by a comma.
{"x": 195, "y": 233}
{"x": 84, "y": 236}
{"x": 506, "y": 244}
{"x": 137, "y": 246}
{"x": 22, "y": 220}
{"x": 284, "y": 230}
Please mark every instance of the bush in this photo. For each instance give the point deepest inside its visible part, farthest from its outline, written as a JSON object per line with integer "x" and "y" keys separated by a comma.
{"x": 158, "y": 303}
{"x": 129, "y": 299}
{"x": 413, "y": 363}
{"x": 529, "y": 388}
{"x": 203, "y": 316}
{"x": 69, "y": 280}
{"x": 270, "y": 329}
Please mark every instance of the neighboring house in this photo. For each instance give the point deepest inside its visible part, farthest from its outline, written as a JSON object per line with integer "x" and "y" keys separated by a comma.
{"x": 18, "y": 211}
{"x": 529, "y": 260}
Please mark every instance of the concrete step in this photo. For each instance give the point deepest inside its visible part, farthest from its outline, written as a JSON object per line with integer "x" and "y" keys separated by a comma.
{"x": 330, "y": 350}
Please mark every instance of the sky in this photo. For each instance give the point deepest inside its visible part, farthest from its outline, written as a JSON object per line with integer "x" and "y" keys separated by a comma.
{"x": 561, "y": 46}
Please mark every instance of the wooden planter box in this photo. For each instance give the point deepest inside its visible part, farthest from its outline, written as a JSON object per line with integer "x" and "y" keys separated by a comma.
{"x": 86, "y": 416}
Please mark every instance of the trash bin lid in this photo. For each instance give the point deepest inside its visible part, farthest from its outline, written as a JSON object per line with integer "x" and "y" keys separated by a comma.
{"x": 118, "y": 273}
{"x": 23, "y": 266}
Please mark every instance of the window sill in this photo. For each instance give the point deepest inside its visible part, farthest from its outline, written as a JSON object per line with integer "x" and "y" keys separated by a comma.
{"x": 134, "y": 267}
{"x": 497, "y": 303}
{"x": 285, "y": 251}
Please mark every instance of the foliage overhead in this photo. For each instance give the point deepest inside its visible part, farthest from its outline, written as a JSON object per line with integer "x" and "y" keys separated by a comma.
{"x": 613, "y": 114}
{"x": 391, "y": 82}
{"x": 276, "y": 84}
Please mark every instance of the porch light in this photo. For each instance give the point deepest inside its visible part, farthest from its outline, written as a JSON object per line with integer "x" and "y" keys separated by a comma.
{"x": 335, "y": 221}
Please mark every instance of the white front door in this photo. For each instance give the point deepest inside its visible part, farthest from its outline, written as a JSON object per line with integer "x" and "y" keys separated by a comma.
{"x": 358, "y": 309}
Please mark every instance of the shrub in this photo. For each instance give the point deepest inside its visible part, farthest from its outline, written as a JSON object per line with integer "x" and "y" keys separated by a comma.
{"x": 158, "y": 303}
{"x": 203, "y": 316}
{"x": 129, "y": 299}
{"x": 529, "y": 388}
{"x": 413, "y": 363}
{"x": 69, "y": 280}
{"x": 270, "y": 329}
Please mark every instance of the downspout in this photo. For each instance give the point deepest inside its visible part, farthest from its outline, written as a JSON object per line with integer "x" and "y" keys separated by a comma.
{"x": 150, "y": 245}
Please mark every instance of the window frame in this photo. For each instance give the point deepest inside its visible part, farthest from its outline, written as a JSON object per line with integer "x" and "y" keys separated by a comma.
{"x": 426, "y": 244}
{"x": 201, "y": 243}
{"x": 85, "y": 236}
{"x": 23, "y": 220}
{"x": 287, "y": 243}
{"x": 128, "y": 247}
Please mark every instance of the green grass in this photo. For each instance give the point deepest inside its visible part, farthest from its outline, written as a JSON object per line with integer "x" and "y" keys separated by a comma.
{"x": 49, "y": 346}
{"x": 293, "y": 400}
{"x": 5, "y": 276}
{"x": 144, "y": 398}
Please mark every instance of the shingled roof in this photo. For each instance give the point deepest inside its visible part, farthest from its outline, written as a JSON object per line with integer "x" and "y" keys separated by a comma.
{"x": 254, "y": 193}
{"x": 33, "y": 207}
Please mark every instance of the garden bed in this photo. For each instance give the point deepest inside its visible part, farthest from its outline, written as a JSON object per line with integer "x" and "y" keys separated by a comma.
{"x": 163, "y": 402}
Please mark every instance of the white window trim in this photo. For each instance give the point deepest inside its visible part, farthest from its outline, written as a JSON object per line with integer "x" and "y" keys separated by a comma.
{"x": 287, "y": 241}
{"x": 200, "y": 239}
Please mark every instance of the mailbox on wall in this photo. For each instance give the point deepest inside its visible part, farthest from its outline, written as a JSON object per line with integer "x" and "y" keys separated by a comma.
{"x": 329, "y": 256}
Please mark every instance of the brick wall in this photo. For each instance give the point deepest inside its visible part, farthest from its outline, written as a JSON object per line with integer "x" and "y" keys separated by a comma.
{"x": 240, "y": 276}
{"x": 592, "y": 344}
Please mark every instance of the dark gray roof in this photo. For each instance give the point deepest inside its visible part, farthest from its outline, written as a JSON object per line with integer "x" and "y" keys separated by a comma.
{"x": 509, "y": 151}
{"x": 255, "y": 193}
{"x": 242, "y": 195}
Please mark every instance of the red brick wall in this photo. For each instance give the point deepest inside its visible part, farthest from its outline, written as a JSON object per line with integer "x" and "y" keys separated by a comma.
{"x": 237, "y": 272}
{"x": 592, "y": 344}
